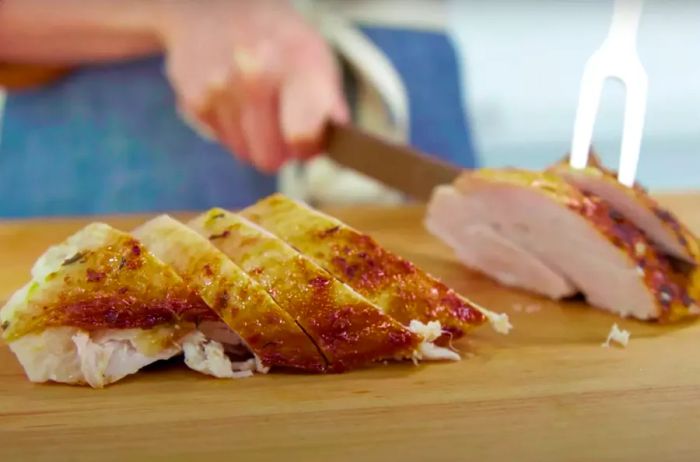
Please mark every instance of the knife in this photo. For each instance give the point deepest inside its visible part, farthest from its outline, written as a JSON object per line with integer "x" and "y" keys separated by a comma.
{"x": 399, "y": 167}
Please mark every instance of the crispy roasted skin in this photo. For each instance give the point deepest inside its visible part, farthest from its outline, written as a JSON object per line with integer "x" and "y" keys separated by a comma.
{"x": 349, "y": 330}
{"x": 683, "y": 235}
{"x": 244, "y": 305}
{"x": 668, "y": 286}
{"x": 115, "y": 285}
{"x": 404, "y": 291}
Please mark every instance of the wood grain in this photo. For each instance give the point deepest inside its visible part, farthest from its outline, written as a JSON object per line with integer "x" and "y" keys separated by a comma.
{"x": 546, "y": 392}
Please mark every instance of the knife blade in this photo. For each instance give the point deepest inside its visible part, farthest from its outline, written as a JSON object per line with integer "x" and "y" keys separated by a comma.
{"x": 399, "y": 167}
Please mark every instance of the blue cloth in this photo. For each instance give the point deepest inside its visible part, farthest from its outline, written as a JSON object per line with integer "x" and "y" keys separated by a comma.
{"x": 107, "y": 139}
{"x": 429, "y": 68}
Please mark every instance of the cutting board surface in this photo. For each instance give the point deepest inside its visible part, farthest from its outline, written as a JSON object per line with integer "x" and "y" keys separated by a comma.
{"x": 548, "y": 391}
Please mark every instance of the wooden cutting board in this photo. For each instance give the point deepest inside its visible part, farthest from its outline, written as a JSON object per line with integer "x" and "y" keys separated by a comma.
{"x": 548, "y": 391}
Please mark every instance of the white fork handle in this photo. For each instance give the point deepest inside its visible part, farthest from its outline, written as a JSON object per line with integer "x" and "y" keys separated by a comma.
{"x": 588, "y": 102}
{"x": 625, "y": 22}
{"x": 617, "y": 57}
{"x": 635, "y": 109}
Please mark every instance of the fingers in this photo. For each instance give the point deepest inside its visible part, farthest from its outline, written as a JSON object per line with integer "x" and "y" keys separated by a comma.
{"x": 265, "y": 95}
{"x": 308, "y": 101}
{"x": 340, "y": 112}
{"x": 206, "y": 101}
{"x": 243, "y": 117}
{"x": 266, "y": 124}
{"x": 228, "y": 120}
{"x": 218, "y": 120}
{"x": 261, "y": 129}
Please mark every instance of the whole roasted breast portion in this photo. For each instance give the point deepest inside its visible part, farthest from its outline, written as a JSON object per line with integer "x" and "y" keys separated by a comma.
{"x": 661, "y": 226}
{"x": 483, "y": 248}
{"x": 402, "y": 290}
{"x": 575, "y": 234}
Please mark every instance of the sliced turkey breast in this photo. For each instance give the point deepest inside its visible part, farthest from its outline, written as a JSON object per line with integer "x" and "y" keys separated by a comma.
{"x": 265, "y": 329}
{"x": 402, "y": 290}
{"x": 349, "y": 329}
{"x": 658, "y": 223}
{"x": 489, "y": 252}
{"x": 576, "y": 234}
{"x": 99, "y": 307}
{"x": 92, "y": 357}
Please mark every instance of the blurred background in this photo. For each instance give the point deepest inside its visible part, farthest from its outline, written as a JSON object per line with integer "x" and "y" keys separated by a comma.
{"x": 522, "y": 64}
{"x": 482, "y": 83}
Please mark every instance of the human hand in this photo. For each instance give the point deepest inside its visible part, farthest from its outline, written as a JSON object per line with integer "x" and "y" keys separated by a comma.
{"x": 255, "y": 73}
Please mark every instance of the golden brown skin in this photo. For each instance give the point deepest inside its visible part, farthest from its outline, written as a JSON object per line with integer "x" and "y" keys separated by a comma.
{"x": 118, "y": 285}
{"x": 244, "y": 305}
{"x": 402, "y": 290}
{"x": 668, "y": 286}
{"x": 349, "y": 330}
{"x": 683, "y": 235}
